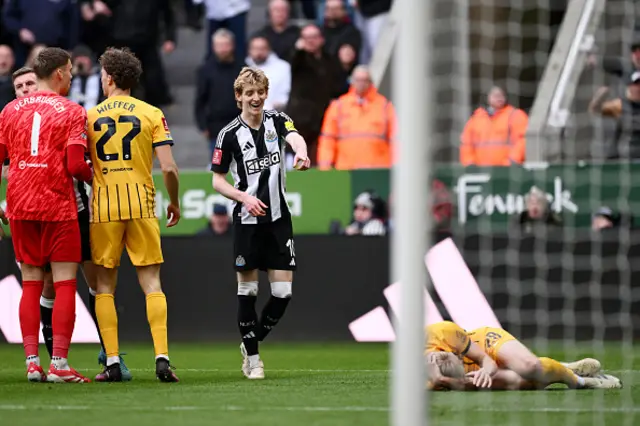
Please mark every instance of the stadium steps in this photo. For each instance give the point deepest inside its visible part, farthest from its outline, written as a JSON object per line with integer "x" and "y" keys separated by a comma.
{"x": 191, "y": 149}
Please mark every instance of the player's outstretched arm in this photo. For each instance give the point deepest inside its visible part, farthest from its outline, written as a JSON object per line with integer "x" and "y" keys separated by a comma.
{"x": 171, "y": 182}
{"x": 482, "y": 378}
{"x": 299, "y": 146}
{"x": 254, "y": 206}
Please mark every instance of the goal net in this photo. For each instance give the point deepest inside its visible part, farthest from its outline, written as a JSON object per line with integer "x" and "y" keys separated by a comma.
{"x": 565, "y": 290}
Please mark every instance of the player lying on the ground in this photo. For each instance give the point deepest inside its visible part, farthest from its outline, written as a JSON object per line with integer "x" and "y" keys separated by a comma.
{"x": 44, "y": 136}
{"x": 511, "y": 355}
{"x": 445, "y": 371}
{"x": 446, "y": 336}
{"x": 24, "y": 83}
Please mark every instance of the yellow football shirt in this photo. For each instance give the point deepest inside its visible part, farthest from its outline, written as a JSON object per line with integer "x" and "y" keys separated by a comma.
{"x": 447, "y": 336}
{"x": 123, "y": 133}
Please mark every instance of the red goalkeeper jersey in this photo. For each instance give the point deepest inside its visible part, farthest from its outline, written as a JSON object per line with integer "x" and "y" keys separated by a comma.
{"x": 36, "y": 131}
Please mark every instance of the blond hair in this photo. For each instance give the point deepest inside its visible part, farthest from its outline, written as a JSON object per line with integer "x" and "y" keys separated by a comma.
{"x": 250, "y": 77}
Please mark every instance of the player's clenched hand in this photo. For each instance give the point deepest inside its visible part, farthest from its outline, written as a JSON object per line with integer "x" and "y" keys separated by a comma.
{"x": 480, "y": 378}
{"x": 173, "y": 214}
{"x": 301, "y": 163}
{"x": 5, "y": 221}
{"x": 253, "y": 205}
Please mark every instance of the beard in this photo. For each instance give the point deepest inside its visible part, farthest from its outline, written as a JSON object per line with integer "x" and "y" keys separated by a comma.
{"x": 260, "y": 60}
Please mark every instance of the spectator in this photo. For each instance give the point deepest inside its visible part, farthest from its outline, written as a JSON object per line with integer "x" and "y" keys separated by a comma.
{"x": 219, "y": 222}
{"x": 358, "y": 128}
{"x": 494, "y": 135}
{"x": 31, "y": 22}
{"x": 215, "y": 104}
{"x": 621, "y": 67}
{"x": 136, "y": 24}
{"x": 229, "y": 14}
{"x": 605, "y": 218}
{"x": 347, "y": 57}
{"x": 96, "y": 24}
{"x": 537, "y": 213}
{"x": 281, "y": 35}
{"x": 35, "y": 50}
{"x": 86, "y": 88}
{"x": 308, "y": 8}
{"x": 338, "y": 31}
{"x": 374, "y": 16}
{"x": 277, "y": 70}
{"x": 369, "y": 213}
{"x": 315, "y": 80}
{"x": 6, "y": 83}
{"x": 626, "y": 110}
{"x": 441, "y": 212}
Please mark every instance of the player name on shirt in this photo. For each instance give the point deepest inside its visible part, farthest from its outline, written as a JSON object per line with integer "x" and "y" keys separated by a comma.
{"x": 55, "y": 102}
{"x": 106, "y": 106}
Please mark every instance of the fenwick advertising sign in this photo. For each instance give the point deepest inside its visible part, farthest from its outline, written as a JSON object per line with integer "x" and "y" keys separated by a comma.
{"x": 490, "y": 196}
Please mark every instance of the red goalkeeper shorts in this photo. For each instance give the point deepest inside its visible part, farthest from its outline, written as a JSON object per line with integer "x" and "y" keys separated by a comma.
{"x": 38, "y": 243}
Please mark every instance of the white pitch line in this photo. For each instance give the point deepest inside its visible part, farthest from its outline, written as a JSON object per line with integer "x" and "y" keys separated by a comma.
{"x": 515, "y": 409}
{"x": 213, "y": 370}
{"x": 10, "y": 407}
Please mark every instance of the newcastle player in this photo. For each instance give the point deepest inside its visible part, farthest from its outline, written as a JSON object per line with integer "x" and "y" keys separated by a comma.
{"x": 252, "y": 148}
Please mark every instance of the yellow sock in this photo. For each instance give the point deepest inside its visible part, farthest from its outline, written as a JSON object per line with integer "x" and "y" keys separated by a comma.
{"x": 108, "y": 323}
{"x": 157, "y": 316}
{"x": 554, "y": 372}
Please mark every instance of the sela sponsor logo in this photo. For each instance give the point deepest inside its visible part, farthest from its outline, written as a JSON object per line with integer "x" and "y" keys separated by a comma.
{"x": 474, "y": 199}
{"x": 197, "y": 204}
{"x": 164, "y": 123}
{"x": 23, "y": 165}
{"x": 259, "y": 164}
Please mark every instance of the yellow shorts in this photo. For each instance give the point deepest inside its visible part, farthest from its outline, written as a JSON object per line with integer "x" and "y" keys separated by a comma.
{"x": 140, "y": 236}
{"x": 490, "y": 340}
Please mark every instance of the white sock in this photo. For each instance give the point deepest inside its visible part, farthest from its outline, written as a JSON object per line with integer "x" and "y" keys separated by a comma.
{"x": 60, "y": 363}
{"x": 46, "y": 303}
{"x": 253, "y": 360}
{"x": 33, "y": 358}
{"x": 164, "y": 356}
{"x": 113, "y": 360}
{"x": 580, "y": 382}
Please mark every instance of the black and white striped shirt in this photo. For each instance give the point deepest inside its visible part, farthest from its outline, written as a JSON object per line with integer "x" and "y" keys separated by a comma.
{"x": 256, "y": 161}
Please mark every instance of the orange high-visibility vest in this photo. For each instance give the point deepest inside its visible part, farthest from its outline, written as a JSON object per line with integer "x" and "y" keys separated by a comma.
{"x": 494, "y": 140}
{"x": 357, "y": 133}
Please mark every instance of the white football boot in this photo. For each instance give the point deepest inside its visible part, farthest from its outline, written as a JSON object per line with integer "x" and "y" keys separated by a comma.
{"x": 587, "y": 367}
{"x": 245, "y": 360}
{"x": 256, "y": 372}
{"x": 603, "y": 381}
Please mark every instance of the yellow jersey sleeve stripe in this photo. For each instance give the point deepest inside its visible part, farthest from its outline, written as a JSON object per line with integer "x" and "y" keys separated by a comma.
{"x": 167, "y": 142}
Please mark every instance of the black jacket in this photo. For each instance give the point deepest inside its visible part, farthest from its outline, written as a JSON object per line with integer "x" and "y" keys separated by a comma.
{"x": 281, "y": 43}
{"x": 6, "y": 91}
{"x": 137, "y": 22}
{"x": 343, "y": 33}
{"x": 215, "y": 104}
{"x": 371, "y": 8}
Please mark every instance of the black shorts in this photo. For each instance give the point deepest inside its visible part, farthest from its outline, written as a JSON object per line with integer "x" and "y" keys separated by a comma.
{"x": 85, "y": 239}
{"x": 264, "y": 246}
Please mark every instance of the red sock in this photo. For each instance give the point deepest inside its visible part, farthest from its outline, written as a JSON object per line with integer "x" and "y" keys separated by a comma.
{"x": 30, "y": 316}
{"x": 64, "y": 316}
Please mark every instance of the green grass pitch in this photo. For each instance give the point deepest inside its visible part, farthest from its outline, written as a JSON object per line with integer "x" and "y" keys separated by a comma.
{"x": 315, "y": 385}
